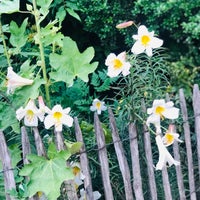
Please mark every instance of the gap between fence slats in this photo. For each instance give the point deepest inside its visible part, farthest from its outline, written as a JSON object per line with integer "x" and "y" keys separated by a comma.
{"x": 9, "y": 181}
{"x": 103, "y": 158}
{"x": 196, "y": 108}
{"x": 186, "y": 128}
{"x": 84, "y": 162}
{"x": 123, "y": 164}
{"x": 137, "y": 181}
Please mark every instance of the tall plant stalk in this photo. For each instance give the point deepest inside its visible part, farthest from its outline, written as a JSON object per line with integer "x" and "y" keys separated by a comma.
{"x": 42, "y": 57}
{"x": 4, "y": 43}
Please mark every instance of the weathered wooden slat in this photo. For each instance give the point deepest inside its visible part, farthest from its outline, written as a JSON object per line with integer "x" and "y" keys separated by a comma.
{"x": 69, "y": 185}
{"x": 38, "y": 142}
{"x": 179, "y": 175}
{"x": 59, "y": 140}
{"x": 137, "y": 181}
{"x": 196, "y": 108}
{"x": 149, "y": 159}
{"x": 166, "y": 184}
{"x": 150, "y": 168}
{"x": 9, "y": 181}
{"x": 26, "y": 147}
{"x": 84, "y": 162}
{"x": 186, "y": 128}
{"x": 103, "y": 158}
{"x": 123, "y": 164}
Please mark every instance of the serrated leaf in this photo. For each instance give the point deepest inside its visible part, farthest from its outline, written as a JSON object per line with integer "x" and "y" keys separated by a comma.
{"x": 72, "y": 63}
{"x": 8, "y": 6}
{"x": 18, "y": 38}
{"x": 47, "y": 175}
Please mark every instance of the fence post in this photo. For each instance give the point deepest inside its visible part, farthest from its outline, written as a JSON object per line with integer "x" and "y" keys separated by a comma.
{"x": 103, "y": 159}
{"x": 186, "y": 128}
{"x": 137, "y": 182}
{"x": 179, "y": 175}
{"x": 26, "y": 149}
{"x": 149, "y": 157}
{"x": 196, "y": 108}
{"x": 9, "y": 181}
{"x": 123, "y": 164}
{"x": 84, "y": 162}
{"x": 38, "y": 143}
{"x": 69, "y": 184}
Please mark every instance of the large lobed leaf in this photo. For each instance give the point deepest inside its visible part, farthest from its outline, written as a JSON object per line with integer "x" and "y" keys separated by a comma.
{"x": 47, "y": 175}
{"x": 71, "y": 63}
{"x": 8, "y": 6}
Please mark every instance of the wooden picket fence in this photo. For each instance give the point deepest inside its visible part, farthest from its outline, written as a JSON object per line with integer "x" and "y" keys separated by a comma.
{"x": 132, "y": 178}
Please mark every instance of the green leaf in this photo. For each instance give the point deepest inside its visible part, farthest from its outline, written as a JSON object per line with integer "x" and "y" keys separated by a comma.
{"x": 47, "y": 175}
{"x": 8, "y": 117}
{"x": 15, "y": 154}
{"x": 73, "y": 14}
{"x": 8, "y": 6}
{"x": 18, "y": 38}
{"x": 72, "y": 63}
{"x": 44, "y": 7}
{"x": 73, "y": 147}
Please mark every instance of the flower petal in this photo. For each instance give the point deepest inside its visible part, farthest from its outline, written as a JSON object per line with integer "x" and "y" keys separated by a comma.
{"x": 137, "y": 48}
{"x": 48, "y": 121}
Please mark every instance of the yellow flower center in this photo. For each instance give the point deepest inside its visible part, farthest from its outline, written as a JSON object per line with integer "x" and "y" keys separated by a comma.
{"x": 57, "y": 116}
{"x": 98, "y": 105}
{"x": 30, "y": 115}
{"x": 117, "y": 64}
{"x": 159, "y": 111}
{"x": 169, "y": 138}
{"x": 76, "y": 170}
{"x": 145, "y": 40}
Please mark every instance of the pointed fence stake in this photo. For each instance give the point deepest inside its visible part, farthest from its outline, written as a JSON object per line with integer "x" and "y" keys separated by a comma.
{"x": 103, "y": 158}
{"x": 69, "y": 185}
{"x": 9, "y": 181}
{"x": 137, "y": 181}
{"x": 196, "y": 108}
{"x": 84, "y": 162}
{"x": 123, "y": 164}
{"x": 186, "y": 128}
{"x": 38, "y": 143}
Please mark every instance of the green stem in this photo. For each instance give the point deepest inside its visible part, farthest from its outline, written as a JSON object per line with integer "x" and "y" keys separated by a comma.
{"x": 4, "y": 44}
{"x": 42, "y": 57}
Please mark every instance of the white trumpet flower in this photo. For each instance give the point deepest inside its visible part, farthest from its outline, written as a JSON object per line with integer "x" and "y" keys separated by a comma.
{"x": 14, "y": 81}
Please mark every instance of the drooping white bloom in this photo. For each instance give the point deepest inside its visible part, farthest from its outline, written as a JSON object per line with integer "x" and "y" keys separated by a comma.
{"x": 145, "y": 41}
{"x": 14, "y": 81}
{"x": 96, "y": 195}
{"x": 79, "y": 176}
{"x": 164, "y": 155}
{"x": 98, "y": 106}
{"x": 57, "y": 117}
{"x": 161, "y": 110}
{"x": 117, "y": 64}
{"x": 30, "y": 114}
{"x": 170, "y": 136}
